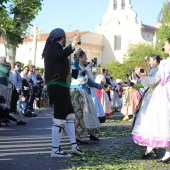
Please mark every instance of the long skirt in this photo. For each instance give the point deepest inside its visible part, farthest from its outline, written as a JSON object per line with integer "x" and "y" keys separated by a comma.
{"x": 86, "y": 119}
{"x": 116, "y": 102}
{"x": 98, "y": 106}
{"x": 152, "y": 126}
{"x": 130, "y": 101}
{"x": 105, "y": 102}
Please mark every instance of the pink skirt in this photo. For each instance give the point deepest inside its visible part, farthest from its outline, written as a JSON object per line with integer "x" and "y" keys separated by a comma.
{"x": 105, "y": 102}
{"x": 129, "y": 108}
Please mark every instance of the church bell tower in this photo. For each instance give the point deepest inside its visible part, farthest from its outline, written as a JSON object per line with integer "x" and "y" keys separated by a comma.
{"x": 120, "y": 5}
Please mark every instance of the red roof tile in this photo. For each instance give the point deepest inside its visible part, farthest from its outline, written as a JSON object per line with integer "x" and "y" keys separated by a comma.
{"x": 44, "y": 36}
{"x": 149, "y": 28}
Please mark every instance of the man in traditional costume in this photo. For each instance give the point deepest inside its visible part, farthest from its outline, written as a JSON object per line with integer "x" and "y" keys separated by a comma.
{"x": 58, "y": 77}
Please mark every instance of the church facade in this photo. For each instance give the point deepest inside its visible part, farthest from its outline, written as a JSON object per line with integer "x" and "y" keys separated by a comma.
{"x": 110, "y": 42}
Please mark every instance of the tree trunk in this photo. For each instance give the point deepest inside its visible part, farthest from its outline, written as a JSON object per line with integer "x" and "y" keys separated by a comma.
{"x": 10, "y": 50}
{"x": 10, "y": 53}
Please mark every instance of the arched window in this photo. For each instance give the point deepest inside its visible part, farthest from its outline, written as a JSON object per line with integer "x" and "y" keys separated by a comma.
{"x": 115, "y": 5}
{"x": 123, "y": 4}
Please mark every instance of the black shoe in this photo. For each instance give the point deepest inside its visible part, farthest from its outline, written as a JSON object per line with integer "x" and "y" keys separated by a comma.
{"x": 81, "y": 141}
{"x": 21, "y": 123}
{"x": 94, "y": 138}
{"x": 152, "y": 152}
{"x": 28, "y": 115}
{"x": 34, "y": 115}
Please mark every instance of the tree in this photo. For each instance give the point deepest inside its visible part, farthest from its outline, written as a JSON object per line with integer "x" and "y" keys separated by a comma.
{"x": 118, "y": 70}
{"x": 15, "y": 18}
{"x": 164, "y": 32}
{"x": 140, "y": 50}
{"x": 136, "y": 54}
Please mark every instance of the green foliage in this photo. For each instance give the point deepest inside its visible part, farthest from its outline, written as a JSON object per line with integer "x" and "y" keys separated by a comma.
{"x": 15, "y": 17}
{"x": 41, "y": 70}
{"x": 140, "y": 50}
{"x": 136, "y": 54}
{"x": 118, "y": 71}
{"x": 164, "y": 32}
{"x": 115, "y": 151}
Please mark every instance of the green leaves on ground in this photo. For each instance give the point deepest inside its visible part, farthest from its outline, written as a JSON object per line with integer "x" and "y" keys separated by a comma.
{"x": 118, "y": 153}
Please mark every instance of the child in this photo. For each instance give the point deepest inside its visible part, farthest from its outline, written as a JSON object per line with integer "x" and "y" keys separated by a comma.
{"x": 4, "y": 114}
{"x": 23, "y": 107}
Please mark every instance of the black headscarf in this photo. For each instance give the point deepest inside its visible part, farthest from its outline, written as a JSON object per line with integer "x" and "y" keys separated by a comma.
{"x": 58, "y": 32}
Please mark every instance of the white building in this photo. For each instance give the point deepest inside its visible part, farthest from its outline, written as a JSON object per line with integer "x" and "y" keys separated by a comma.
{"x": 120, "y": 27}
{"x": 110, "y": 42}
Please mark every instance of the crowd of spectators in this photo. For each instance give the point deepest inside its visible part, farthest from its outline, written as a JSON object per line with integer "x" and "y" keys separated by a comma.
{"x": 21, "y": 92}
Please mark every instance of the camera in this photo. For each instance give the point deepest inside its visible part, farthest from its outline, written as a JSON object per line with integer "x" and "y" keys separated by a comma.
{"x": 142, "y": 70}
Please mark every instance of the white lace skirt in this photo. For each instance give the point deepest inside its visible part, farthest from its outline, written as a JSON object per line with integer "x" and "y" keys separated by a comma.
{"x": 152, "y": 127}
{"x": 116, "y": 102}
{"x": 97, "y": 104}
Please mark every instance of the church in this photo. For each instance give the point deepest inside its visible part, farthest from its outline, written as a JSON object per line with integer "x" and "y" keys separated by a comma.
{"x": 108, "y": 44}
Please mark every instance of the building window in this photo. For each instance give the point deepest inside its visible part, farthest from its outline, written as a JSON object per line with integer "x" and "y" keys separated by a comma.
{"x": 123, "y": 4}
{"x": 115, "y": 5}
{"x": 117, "y": 42}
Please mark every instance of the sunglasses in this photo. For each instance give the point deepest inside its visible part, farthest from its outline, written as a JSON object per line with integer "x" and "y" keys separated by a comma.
{"x": 8, "y": 66}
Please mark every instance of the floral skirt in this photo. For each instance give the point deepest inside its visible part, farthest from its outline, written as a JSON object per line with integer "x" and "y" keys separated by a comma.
{"x": 130, "y": 101}
{"x": 86, "y": 119}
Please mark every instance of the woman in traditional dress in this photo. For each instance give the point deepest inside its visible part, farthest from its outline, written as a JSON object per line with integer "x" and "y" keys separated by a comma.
{"x": 86, "y": 119}
{"x": 154, "y": 122}
{"x": 153, "y": 63}
{"x": 103, "y": 96}
{"x": 116, "y": 101}
{"x": 131, "y": 99}
{"x": 96, "y": 101}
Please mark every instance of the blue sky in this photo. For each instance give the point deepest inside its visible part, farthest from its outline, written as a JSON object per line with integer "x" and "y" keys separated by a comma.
{"x": 85, "y": 15}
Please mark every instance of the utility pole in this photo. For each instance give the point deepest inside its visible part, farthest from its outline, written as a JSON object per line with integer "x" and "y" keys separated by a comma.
{"x": 35, "y": 35}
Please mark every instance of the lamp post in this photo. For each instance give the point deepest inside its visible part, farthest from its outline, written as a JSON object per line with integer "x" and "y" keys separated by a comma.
{"x": 35, "y": 35}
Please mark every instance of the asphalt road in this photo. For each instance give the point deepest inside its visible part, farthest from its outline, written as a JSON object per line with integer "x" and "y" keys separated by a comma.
{"x": 28, "y": 147}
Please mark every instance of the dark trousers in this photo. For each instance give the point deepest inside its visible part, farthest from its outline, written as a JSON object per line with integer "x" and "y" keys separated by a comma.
{"x": 14, "y": 100}
{"x": 39, "y": 96}
{"x": 60, "y": 98}
{"x": 4, "y": 115}
{"x": 32, "y": 97}
{"x": 31, "y": 101}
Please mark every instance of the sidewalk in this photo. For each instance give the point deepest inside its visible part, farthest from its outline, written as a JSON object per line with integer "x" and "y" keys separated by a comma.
{"x": 27, "y": 147}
